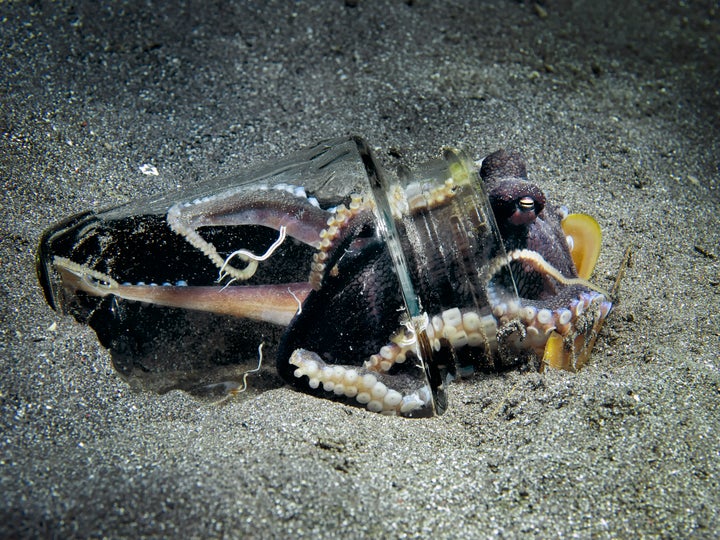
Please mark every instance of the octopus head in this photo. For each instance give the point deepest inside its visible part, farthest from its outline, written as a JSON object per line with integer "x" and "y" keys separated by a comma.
{"x": 551, "y": 255}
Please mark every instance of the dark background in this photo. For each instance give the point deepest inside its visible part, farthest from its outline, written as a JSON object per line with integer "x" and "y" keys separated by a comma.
{"x": 614, "y": 104}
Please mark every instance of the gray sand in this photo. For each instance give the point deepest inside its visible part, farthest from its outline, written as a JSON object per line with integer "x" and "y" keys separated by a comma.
{"x": 615, "y": 108}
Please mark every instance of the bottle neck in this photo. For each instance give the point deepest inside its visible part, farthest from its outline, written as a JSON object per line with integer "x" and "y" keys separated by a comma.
{"x": 450, "y": 260}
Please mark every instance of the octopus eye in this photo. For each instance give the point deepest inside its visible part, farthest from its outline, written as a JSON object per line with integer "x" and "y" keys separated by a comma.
{"x": 526, "y": 203}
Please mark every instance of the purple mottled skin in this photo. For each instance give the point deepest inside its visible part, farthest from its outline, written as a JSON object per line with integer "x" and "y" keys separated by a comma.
{"x": 525, "y": 219}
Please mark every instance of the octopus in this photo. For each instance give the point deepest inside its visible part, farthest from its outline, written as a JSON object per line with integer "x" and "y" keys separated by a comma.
{"x": 376, "y": 297}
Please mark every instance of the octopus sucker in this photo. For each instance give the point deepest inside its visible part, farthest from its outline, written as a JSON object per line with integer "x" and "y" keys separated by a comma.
{"x": 366, "y": 287}
{"x": 342, "y": 227}
{"x": 358, "y": 384}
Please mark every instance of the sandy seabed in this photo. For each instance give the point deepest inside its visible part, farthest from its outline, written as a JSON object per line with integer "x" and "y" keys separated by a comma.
{"x": 615, "y": 106}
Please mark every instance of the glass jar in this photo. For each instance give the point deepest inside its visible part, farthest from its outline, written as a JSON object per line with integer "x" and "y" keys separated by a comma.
{"x": 365, "y": 286}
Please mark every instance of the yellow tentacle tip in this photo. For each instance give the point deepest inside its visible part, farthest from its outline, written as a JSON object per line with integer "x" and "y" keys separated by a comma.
{"x": 586, "y": 239}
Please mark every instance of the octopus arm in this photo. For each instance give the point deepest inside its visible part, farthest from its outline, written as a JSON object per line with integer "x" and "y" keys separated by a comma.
{"x": 276, "y": 304}
{"x": 272, "y": 208}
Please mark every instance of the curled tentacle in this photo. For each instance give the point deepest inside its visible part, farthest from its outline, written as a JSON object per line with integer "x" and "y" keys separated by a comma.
{"x": 279, "y": 209}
